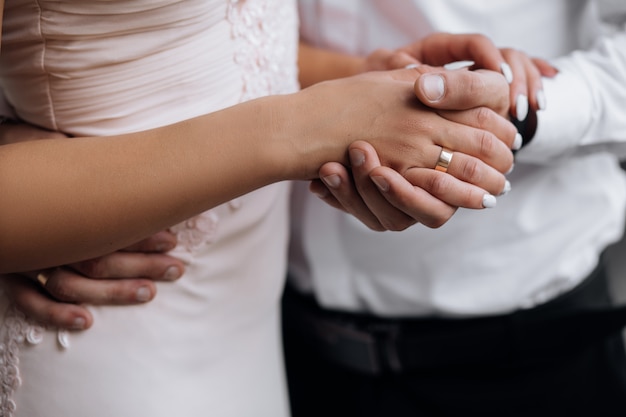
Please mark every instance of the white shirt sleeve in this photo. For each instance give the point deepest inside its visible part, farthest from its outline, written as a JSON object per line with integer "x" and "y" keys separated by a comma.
{"x": 586, "y": 109}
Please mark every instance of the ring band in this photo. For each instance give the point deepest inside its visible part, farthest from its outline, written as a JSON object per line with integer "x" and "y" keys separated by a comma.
{"x": 43, "y": 278}
{"x": 444, "y": 160}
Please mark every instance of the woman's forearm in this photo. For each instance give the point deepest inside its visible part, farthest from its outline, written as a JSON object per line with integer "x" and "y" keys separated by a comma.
{"x": 69, "y": 199}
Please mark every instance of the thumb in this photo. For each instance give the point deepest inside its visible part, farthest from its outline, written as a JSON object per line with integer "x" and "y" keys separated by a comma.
{"x": 462, "y": 90}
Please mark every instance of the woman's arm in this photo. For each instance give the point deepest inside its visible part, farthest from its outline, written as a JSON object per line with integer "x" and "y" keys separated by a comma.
{"x": 118, "y": 190}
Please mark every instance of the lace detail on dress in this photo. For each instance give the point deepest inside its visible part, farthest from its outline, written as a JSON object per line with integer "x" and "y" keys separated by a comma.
{"x": 264, "y": 31}
{"x": 16, "y": 330}
{"x": 266, "y": 51}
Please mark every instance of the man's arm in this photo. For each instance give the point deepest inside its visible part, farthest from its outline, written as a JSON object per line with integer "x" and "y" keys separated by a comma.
{"x": 586, "y": 103}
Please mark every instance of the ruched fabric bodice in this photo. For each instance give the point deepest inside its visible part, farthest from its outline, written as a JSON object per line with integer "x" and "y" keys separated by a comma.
{"x": 208, "y": 344}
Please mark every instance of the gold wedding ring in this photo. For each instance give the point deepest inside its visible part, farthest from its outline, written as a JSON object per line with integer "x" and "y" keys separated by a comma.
{"x": 43, "y": 278}
{"x": 444, "y": 160}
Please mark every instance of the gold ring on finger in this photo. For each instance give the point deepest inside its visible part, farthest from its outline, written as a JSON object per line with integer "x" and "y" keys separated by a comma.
{"x": 445, "y": 157}
{"x": 43, "y": 277}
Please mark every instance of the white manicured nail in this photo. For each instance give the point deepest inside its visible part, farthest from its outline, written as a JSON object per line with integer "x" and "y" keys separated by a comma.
{"x": 510, "y": 169}
{"x": 457, "y": 65}
{"x": 517, "y": 143}
{"x": 506, "y": 71}
{"x": 521, "y": 107}
{"x": 411, "y": 66}
{"x": 507, "y": 188}
{"x": 489, "y": 201}
{"x": 541, "y": 100}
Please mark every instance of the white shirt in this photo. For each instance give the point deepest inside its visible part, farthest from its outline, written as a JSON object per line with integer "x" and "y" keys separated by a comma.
{"x": 545, "y": 236}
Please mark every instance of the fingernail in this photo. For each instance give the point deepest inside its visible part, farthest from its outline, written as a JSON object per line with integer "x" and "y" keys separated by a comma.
{"x": 489, "y": 201}
{"x": 172, "y": 273}
{"x": 411, "y": 66}
{"x": 521, "y": 106}
{"x": 79, "y": 323}
{"x": 507, "y": 188}
{"x": 433, "y": 86}
{"x": 541, "y": 99}
{"x": 510, "y": 169}
{"x": 164, "y": 247}
{"x": 357, "y": 157}
{"x": 457, "y": 65}
{"x": 381, "y": 183}
{"x": 333, "y": 181}
{"x": 143, "y": 294}
{"x": 506, "y": 71}
{"x": 320, "y": 193}
{"x": 517, "y": 143}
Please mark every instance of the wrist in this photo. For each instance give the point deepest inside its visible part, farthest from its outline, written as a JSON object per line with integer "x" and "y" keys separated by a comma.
{"x": 305, "y": 137}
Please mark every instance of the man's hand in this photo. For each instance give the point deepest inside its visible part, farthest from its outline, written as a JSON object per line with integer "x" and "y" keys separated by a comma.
{"x": 56, "y": 297}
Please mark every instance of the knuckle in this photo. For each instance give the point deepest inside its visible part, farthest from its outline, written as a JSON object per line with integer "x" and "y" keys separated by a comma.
{"x": 475, "y": 85}
{"x": 376, "y": 226}
{"x": 61, "y": 292}
{"x": 484, "y": 117}
{"x": 435, "y": 222}
{"x": 116, "y": 294}
{"x": 486, "y": 143}
{"x": 472, "y": 171}
{"x": 92, "y": 268}
{"x": 394, "y": 225}
{"x": 439, "y": 184}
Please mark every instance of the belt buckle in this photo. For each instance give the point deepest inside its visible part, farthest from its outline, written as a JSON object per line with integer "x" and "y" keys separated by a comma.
{"x": 350, "y": 347}
{"x": 387, "y": 336}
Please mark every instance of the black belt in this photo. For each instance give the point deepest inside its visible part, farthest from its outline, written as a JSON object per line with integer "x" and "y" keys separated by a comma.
{"x": 374, "y": 345}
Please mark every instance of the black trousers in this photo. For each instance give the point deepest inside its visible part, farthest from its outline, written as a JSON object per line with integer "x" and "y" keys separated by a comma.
{"x": 565, "y": 358}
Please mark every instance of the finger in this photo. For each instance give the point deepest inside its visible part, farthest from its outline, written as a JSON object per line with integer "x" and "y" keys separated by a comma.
{"x": 460, "y": 90}
{"x": 416, "y": 202}
{"x": 450, "y": 190}
{"x": 470, "y": 170}
{"x": 342, "y": 189}
{"x": 69, "y": 286}
{"x": 486, "y": 119}
{"x": 318, "y": 188}
{"x": 545, "y": 68}
{"x": 159, "y": 242}
{"x": 519, "y": 91}
{"x": 363, "y": 159}
{"x": 154, "y": 266}
{"x": 490, "y": 156}
{"x": 29, "y": 298}
{"x": 400, "y": 59}
{"x": 446, "y": 47}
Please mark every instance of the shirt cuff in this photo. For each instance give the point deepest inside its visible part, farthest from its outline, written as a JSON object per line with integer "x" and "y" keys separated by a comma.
{"x": 562, "y": 125}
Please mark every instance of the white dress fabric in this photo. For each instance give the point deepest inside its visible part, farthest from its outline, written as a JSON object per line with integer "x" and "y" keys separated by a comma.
{"x": 209, "y": 344}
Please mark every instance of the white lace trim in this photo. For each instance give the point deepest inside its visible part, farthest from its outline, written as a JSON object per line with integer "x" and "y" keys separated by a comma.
{"x": 16, "y": 330}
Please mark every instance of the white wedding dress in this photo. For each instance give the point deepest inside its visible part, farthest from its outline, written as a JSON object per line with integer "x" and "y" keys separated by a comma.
{"x": 209, "y": 344}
